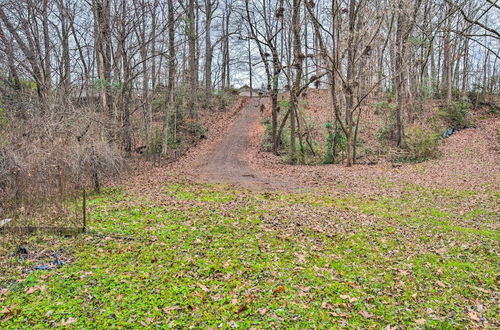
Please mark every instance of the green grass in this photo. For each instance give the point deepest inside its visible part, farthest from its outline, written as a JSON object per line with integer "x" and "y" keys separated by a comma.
{"x": 214, "y": 256}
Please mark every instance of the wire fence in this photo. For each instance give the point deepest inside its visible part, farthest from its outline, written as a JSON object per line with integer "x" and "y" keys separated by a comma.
{"x": 59, "y": 215}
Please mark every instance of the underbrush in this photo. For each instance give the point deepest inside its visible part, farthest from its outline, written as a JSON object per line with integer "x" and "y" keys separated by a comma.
{"x": 53, "y": 156}
{"x": 335, "y": 144}
{"x": 422, "y": 137}
{"x": 421, "y": 145}
{"x": 50, "y": 151}
{"x": 185, "y": 129}
{"x": 387, "y": 113}
{"x": 457, "y": 115}
{"x": 426, "y": 123}
{"x": 309, "y": 147}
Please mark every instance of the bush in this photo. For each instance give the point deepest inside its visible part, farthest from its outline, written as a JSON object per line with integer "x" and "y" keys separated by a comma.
{"x": 387, "y": 128}
{"x": 267, "y": 141}
{"x": 194, "y": 129}
{"x": 3, "y": 119}
{"x": 156, "y": 143}
{"x": 421, "y": 144}
{"x": 428, "y": 88}
{"x": 335, "y": 144}
{"x": 221, "y": 100}
{"x": 457, "y": 115}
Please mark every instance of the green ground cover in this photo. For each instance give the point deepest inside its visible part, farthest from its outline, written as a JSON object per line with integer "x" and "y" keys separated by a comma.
{"x": 199, "y": 255}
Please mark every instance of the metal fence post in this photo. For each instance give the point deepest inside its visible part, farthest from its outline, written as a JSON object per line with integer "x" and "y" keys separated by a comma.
{"x": 84, "y": 207}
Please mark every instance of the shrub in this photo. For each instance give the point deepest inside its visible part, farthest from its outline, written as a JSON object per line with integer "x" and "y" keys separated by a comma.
{"x": 3, "y": 119}
{"x": 428, "y": 88}
{"x": 387, "y": 128}
{"x": 222, "y": 99}
{"x": 195, "y": 129}
{"x": 457, "y": 115}
{"x": 267, "y": 141}
{"x": 421, "y": 143}
{"x": 335, "y": 144}
{"x": 156, "y": 143}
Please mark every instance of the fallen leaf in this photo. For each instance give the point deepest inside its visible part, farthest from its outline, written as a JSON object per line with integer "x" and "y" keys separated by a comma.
{"x": 441, "y": 284}
{"x": 32, "y": 290}
{"x": 279, "y": 290}
{"x": 344, "y": 296}
{"x": 301, "y": 258}
{"x": 204, "y": 288}
{"x": 169, "y": 309}
{"x": 326, "y": 305}
{"x": 216, "y": 297}
{"x": 262, "y": 311}
{"x": 242, "y": 309}
{"x": 366, "y": 314}
{"x": 473, "y": 316}
{"x": 482, "y": 290}
{"x": 420, "y": 321}
{"x": 403, "y": 272}
{"x": 68, "y": 321}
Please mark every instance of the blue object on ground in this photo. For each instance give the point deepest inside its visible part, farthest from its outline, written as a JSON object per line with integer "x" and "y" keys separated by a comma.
{"x": 449, "y": 132}
{"x": 42, "y": 267}
{"x": 54, "y": 264}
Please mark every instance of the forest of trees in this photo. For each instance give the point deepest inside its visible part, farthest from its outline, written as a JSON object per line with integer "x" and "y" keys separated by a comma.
{"x": 85, "y": 83}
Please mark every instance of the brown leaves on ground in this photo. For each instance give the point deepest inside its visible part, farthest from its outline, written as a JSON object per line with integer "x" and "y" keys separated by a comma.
{"x": 473, "y": 316}
{"x": 35, "y": 289}
{"x": 469, "y": 159}
{"x": 278, "y": 290}
{"x": 68, "y": 321}
{"x": 366, "y": 314}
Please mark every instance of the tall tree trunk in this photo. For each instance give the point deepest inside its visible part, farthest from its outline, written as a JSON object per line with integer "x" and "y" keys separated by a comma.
{"x": 448, "y": 59}
{"x": 350, "y": 83}
{"x": 298, "y": 58}
{"x": 47, "y": 60}
{"x": 208, "y": 49}
{"x": 193, "y": 74}
{"x": 465, "y": 69}
{"x": 102, "y": 12}
{"x": 228, "y": 59}
{"x": 400, "y": 74}
{"x": 250, "y": 73}
{"x": 171, "y": 74}
{"x": 66, "y": 61}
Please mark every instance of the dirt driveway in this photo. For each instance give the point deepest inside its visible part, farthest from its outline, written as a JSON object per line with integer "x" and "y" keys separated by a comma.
{"x": 226, "y": 161}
